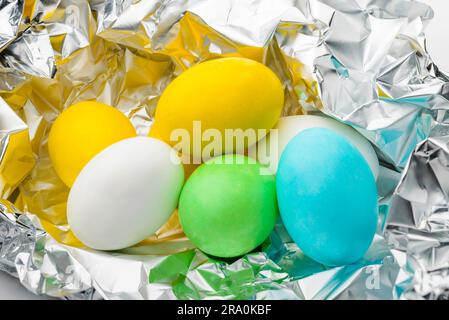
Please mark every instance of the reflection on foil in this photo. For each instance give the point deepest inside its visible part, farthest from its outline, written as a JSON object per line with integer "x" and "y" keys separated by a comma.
{"x": 361, "y": 62}
{"x": 10, "y": 16}
{"x": 30, "y": 54}
{"x": 418, "y": 225}
{"x": 280, "y": 271}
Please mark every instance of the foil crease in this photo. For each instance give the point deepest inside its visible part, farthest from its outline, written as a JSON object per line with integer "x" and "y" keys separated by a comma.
{"x": 280, "y": 271}
{"x": 10, "y": 15}
{"x": 362, "y": 62}
{"x": 388, "y": 88}
{"x": 418, "y": 225}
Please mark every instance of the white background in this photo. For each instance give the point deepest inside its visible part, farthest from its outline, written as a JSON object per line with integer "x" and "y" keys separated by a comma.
{"x": 438, "y": 47}
{"x": 438, "y": 34}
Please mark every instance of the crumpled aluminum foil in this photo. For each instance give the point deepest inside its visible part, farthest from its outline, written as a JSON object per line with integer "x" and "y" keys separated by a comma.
{"x": 10, "y": 13}
{"x": 362, "y": 62}
{"x": 418, "y": 225}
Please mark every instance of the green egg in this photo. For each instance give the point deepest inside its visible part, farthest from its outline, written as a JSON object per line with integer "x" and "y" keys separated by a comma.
{"x": 228, "y": 206}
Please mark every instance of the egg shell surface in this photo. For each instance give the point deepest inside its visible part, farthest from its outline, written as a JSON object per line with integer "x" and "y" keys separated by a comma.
{"x": 289, "y": 127}
{"x": 125, "y": 193}
{"x": 327, "y": 197}
{"x": 82, "y": 131}
{"x": 227, "y": 207}
{"x": 228, "y": 93}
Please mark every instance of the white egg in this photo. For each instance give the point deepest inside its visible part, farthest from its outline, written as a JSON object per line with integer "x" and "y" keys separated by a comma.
{"x": 289, "y": 127}
{"x": 125, "y": 193}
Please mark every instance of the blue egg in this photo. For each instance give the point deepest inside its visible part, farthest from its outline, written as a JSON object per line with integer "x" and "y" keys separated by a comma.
{"x": 327, "y": 197}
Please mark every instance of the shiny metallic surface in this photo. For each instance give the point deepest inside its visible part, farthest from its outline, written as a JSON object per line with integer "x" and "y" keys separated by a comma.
{"x": 10, "y": 16}
{"x": 363, "y": 62}
{"x": 418, "y": 224}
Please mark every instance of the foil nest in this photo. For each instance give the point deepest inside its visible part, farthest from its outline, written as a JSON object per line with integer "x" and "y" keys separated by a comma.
{"x": 362, "y": 62}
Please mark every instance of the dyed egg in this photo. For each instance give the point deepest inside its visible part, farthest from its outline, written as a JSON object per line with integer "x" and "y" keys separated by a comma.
{"x": 327, "y": 197}
{"x": 82, "y": 131}
{"x": 228, "y": 206}
{"x": 125, "y": 193}
{"x": 229, "y": 93}
{"x": 288, "y": 127}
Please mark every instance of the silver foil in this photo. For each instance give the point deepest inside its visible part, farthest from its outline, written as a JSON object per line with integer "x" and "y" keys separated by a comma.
{"x": 418, "y": 224}
{"x": 362, "y": 62}
{"x": 10, "y": 16}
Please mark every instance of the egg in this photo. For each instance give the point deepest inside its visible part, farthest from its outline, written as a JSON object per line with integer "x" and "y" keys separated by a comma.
{"x": 125, "y": 193}
{"x": 327, "y": 197}
{"x": 228, "y": 206}
{"x": 288, "y": 127}
{"x": 228, "y": 93}
{"x": 82, "y": 131}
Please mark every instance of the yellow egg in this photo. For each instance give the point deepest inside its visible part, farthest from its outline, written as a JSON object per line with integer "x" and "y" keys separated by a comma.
{"x": 229, "y": 93}
{"x": 80, "y": 132}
